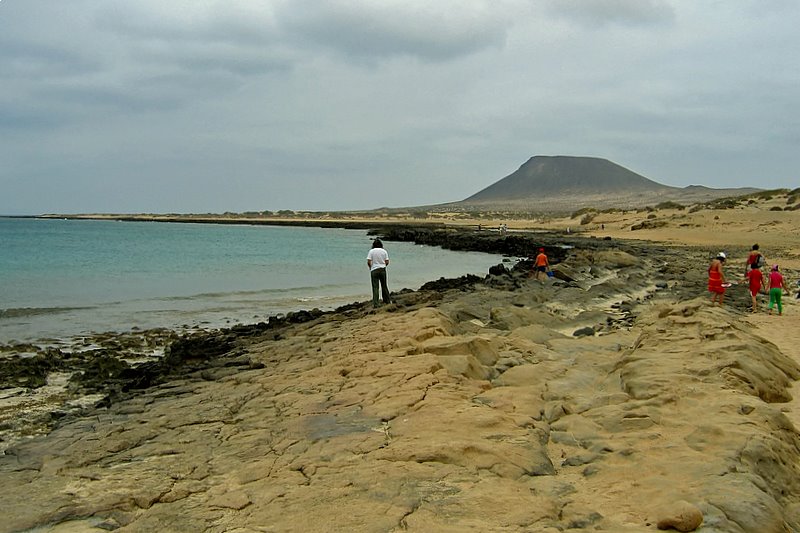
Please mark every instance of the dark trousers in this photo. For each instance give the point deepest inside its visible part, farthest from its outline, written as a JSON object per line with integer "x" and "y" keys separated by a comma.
{"x": 378, "y": 277}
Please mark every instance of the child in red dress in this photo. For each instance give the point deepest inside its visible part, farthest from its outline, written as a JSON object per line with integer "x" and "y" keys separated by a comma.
{"x": 756, "y": 278}
{"x": 716, "y": 279}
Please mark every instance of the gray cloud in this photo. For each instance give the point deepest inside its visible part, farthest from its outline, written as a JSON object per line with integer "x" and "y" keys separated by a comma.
{"x": 429, "y": 31}
{"x": 625, "y": 12}
{"x": 216, "y": 106}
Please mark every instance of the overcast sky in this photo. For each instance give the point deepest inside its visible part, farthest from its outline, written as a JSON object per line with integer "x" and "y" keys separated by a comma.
{"x": 240, "y": 105}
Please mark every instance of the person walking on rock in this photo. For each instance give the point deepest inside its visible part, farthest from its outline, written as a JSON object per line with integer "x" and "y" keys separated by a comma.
{"x": 776, "y": 289}
{"x": 756, "y": 278}
{"x": 377, "y": 261}
{"x": 755, "y": 258}
{"x": 541, "y": 265}
{"x": 716, "y": 278}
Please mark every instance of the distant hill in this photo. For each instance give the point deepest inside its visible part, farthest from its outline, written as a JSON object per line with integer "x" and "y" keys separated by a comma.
{"x": 565, "y": 183}
{"x": 556, "y": 175}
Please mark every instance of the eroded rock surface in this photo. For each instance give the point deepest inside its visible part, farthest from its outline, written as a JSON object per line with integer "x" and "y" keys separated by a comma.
{"x": 474, "y": 410}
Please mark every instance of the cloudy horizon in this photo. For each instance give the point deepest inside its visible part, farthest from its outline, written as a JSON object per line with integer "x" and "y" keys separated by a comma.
{"x": 206, "y": 106}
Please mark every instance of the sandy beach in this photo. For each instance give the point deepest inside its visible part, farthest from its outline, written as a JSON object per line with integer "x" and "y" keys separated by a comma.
{"x": 611, "y": 397}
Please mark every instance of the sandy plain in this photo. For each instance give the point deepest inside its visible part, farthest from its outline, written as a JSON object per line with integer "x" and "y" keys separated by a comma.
{"x": 612, "y": 398}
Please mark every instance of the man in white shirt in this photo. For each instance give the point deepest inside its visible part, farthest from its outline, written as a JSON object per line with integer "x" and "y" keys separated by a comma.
{"x": 377, "y": 261}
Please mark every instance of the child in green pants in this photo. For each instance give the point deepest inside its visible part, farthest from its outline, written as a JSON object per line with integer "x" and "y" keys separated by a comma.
{"x": 776, "y": 288}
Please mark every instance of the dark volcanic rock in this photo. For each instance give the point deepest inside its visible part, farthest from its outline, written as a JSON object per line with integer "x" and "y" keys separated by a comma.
{"x": 584, "y": 332}
{"x": 29, "y": 372}
{"x": 99, "y": 371}
{"x": 462, "y": 284}
{"x": 498, "y": 270}
{"x": 197, "y": 348}
{"x": 514, "y": 245}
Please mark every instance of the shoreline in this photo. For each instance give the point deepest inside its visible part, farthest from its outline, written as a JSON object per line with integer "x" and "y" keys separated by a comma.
{"x": 467, "y": 389}
{"x": 342, "y": 223}
{"x": 121, "y": 353}
{"x": 770, "y": 218}
{"x": 110, "y": 360}
{"x": 216, "y": 303}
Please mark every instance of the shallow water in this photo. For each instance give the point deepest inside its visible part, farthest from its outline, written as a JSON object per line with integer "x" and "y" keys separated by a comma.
{"x": 65, "y": 278}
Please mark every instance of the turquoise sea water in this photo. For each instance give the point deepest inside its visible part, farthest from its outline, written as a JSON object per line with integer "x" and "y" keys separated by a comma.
{"x": 65, "y": 278}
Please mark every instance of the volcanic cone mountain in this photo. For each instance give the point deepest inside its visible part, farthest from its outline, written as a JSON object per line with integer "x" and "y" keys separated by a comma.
{"x": 548, "y": 175}
{"x": 563, "y": 183}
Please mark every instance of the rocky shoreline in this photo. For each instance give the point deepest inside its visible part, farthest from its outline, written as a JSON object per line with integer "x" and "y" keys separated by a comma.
{"x": 607, "y": 398}
{"x": 99, "y": 368}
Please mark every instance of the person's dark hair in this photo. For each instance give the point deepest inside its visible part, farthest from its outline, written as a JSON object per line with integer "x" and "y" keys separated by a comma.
{"x": 755, "y": 247}
{"x": 377, "y": 243}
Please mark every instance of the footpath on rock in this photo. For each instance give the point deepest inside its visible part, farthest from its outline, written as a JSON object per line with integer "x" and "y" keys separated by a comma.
{"x": 612, "y": 397}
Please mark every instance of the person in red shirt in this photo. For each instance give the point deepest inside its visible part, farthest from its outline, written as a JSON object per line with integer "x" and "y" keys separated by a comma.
{"x": 776, "y": 289}
{"x": 756, "y": 278}
{"x": 755, "y": 258}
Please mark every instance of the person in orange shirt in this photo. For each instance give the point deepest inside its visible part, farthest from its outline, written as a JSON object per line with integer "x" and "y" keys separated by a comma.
{"x": 541, "y": 266}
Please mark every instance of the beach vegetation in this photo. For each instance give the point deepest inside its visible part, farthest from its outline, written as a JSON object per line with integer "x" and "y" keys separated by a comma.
{"x": 649, "y": 224}
{"x": 670, "y": 205}
{"x": 768, "y": 195}
{"x": 724, "y": 203}
{"x": 776, "y": 208}
{"x": 583, "y": 211}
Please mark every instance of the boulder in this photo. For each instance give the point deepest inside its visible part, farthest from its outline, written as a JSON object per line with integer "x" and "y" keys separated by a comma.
{"x": 680, "y": 515}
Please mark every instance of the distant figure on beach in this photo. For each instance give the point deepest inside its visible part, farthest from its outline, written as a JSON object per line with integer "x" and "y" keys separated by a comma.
{"x": 716, "y": 278}
{"x": 756, "y": 278}
{"x": 776, "y": 289}
{"x": 377, "y": 261}
{"x": 541, "y": 265}
{"x": 755, "y": 258}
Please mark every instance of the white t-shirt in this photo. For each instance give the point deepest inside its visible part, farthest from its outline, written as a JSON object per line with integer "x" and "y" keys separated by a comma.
{"x": 379, "y": 256}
